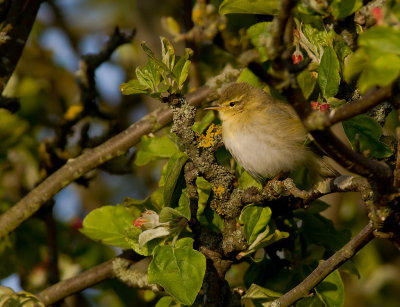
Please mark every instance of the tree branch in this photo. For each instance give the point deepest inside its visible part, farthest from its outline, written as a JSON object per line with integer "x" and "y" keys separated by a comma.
{"x": 14, "y": 31}
{"x": 326, "y": 267}
{"x": 86, "y": 279}
{"x": 336, "y": 149}
{"x": 322, "y": 120}
{"x": 76, "y": 284}
{"x": 92, "y": 158}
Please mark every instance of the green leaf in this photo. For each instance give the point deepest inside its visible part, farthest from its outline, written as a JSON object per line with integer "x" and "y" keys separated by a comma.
{"x": 181, "y": 69}
{"x": 167, "y": 53}
{"x": 161, "y": 66}
{"x": 205, "y": 121}
{"x": 153, "y": 148}
{"x": 263, "y": 7}
{"x": 184, "y": 205}
{"x": 257, "y": 292}
{"x": 344, "y": 8}
{"x": 355, "y": 64}
{"x": 134, "y": 87}
{"x": 258, "y": 34}
{"x": 319, "y": 230}
{"x": 328, "y": 73}
{"x": 381, "y": 71}
{"x": 246, "y": 181}
{"x": 107, "y": 224}
{"x": 165, "y": 301}
{"x": 184, "y": 243}
{"x": 171, "y": 175}
{"x": 306, "y": 82}
{"x": 132, "y": 239}
{"x": 148, "y": 75}
{"x": 179, "y": 270}
{"x": 255, "y": 220}
{"x": 369, "y": 132}
{"x": 316, "y": 38}
{"x": 154, "y": 233}
{"x": 246, "y": 75}
{"x": 382, "y": 39}
{"x": 331, "y": 290}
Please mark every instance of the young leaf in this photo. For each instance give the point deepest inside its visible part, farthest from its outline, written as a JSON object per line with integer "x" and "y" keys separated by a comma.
{"x": 148, "y": 75}
{"x": 162, "y": 67}
{"x": 167, "y": 53}
{"x": 133, "y": 87}
{"x": 181, "y": 69}
{"x": 307, "y": 82}
{"x": 179, "y": 270}
{"x": 255, "y": 220}
{"x": 262, "y": 7}
{"x": 369, "y": 132}
{"x": 107, "y": 224}
{"x": 132, "y": 239}
{"x": 152, "y": 148}
{"x": 154, "y": 233}
{"x": 328, "y": 73}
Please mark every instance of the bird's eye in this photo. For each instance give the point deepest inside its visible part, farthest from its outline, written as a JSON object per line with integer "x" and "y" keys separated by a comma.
{"x": 232, "y": 104}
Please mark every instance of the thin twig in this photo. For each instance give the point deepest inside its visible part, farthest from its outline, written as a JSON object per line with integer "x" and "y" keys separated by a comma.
{"x": 279, "y": 29}
{"x": 326, "y": 267}
{"x": 74, "y": 168}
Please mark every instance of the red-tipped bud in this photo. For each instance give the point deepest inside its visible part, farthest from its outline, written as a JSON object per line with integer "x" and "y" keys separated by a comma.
{"x": 324, "y": 107}
{"x": 297, "y": 57}
{"x": 377, "y": 14}
{"x": 315, "y": 105}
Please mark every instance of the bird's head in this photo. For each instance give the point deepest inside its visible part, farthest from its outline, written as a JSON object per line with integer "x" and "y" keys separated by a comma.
{"x": 237, "y": 98}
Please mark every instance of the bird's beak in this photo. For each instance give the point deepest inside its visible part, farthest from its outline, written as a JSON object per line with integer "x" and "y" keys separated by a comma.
{"x": 214, "y": 108}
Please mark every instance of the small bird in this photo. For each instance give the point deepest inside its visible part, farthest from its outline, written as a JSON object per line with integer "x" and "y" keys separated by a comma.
{"x": 262, "y": 133}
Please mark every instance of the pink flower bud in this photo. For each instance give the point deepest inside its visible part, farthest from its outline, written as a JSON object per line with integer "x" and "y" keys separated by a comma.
{"x": 324, "y": 107}
{"x": 377, "y": 14}
{"x": 297, "y": 57}
{"x": 148, "y": 220}
{"x": 315, "y": 105}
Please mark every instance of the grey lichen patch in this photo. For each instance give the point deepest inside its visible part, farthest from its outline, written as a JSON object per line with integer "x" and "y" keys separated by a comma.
{"x": 134, "y": 275}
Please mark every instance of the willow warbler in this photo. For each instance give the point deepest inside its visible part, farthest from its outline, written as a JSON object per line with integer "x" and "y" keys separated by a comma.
{"x": 262, "y": 133}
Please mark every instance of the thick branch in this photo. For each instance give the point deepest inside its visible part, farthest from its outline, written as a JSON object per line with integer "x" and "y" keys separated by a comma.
{"x": 84, "y": 280}
{"x": 326, "y": 267}
{"x": 14, "y": 33}
{"x": 75, "y": 284}
{"x": 89, "y": 160}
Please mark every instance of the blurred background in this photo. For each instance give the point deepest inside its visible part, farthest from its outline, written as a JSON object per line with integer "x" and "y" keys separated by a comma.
{"x": 46, "y": 132}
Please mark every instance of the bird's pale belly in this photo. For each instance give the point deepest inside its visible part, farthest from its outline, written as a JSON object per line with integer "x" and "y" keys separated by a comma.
{"x": 263, "y": 155}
